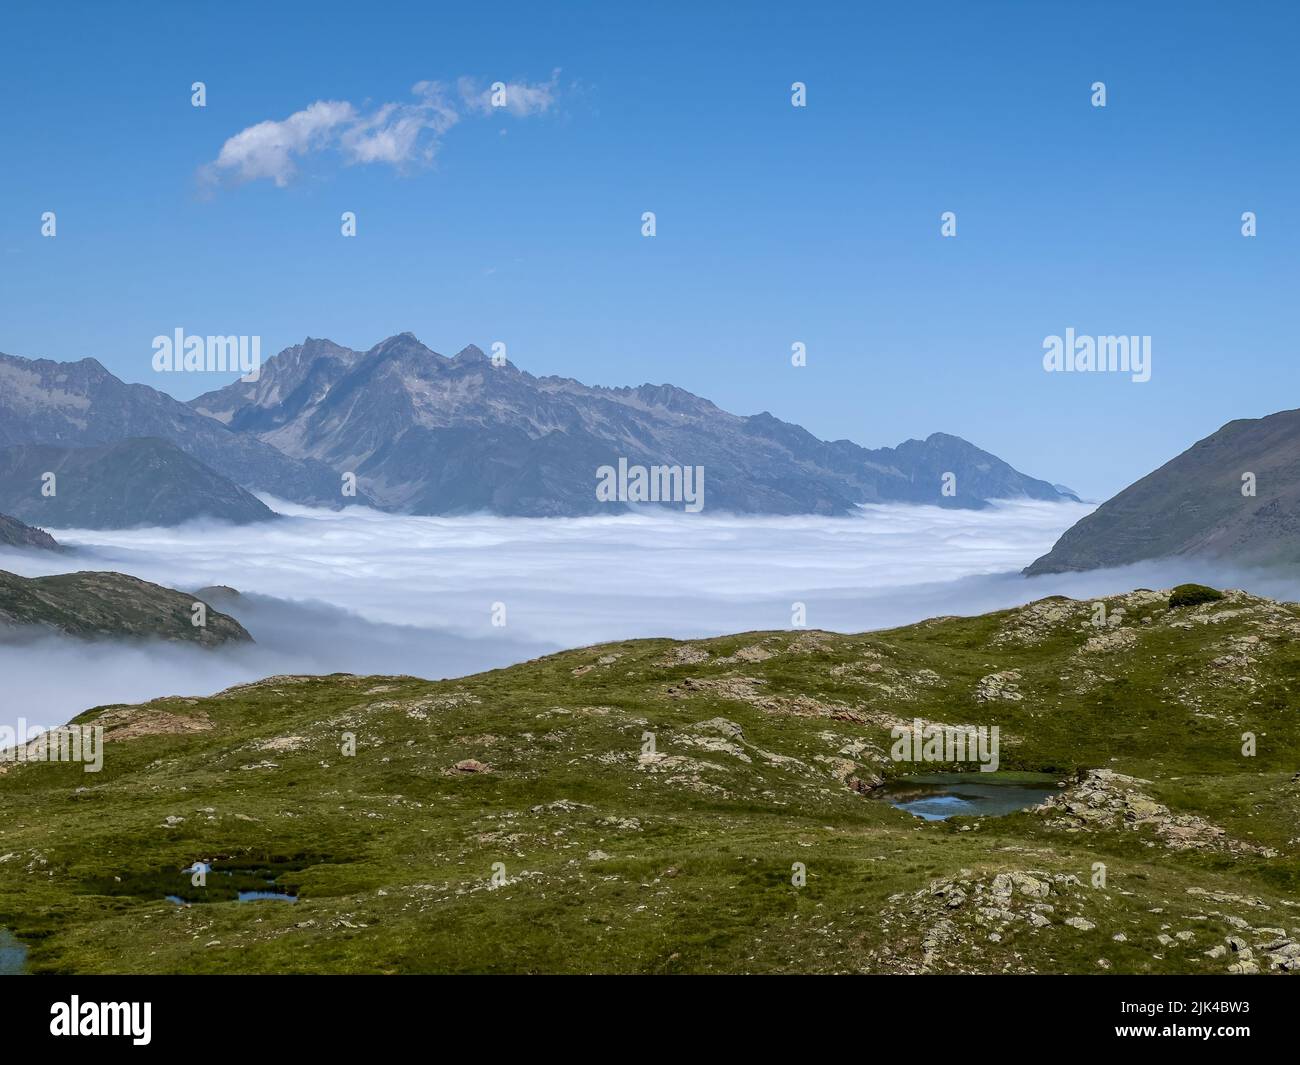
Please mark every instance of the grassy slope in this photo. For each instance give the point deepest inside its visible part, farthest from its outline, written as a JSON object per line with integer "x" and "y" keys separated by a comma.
{"x": 93, "y": 603}
{"x": 682, "y": 864}
{"x": 1193, "y": 504}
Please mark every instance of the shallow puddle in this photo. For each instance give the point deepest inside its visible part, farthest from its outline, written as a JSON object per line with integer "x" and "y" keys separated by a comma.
{"x": 228, "y": 885}
{"x": 13, "y": 955}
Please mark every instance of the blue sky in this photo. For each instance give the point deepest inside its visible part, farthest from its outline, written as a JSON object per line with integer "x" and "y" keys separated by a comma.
{"x": 775, "y": 224}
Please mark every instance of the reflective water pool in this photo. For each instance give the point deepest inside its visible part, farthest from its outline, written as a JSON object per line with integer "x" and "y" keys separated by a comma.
{"x": 938, "y": 796}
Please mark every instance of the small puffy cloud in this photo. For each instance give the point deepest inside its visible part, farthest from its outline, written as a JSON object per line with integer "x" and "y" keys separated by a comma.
{"x": 398, "y": 134}
{"x": 267, "y": 149}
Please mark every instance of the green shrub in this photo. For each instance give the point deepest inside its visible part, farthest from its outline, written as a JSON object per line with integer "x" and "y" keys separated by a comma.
{"x": 1192, "y": 594}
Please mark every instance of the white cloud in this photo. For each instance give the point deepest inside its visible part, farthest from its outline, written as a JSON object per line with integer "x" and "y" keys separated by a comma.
{"x": 581, "y": 580}
{"x": 267, "y": 150}
{"x": 397, "y": 134}
{"x": 366, "y": 592}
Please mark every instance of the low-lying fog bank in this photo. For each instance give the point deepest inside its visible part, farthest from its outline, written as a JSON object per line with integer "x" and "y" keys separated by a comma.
{"x": 363, "y": 592}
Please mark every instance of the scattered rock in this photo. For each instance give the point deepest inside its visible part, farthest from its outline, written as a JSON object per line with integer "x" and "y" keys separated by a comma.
{"x": 1003, "y": 686}
{"x": 1104, "y": 799}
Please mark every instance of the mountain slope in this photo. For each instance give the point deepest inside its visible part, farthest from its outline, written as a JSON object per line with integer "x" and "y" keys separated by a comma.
{"x": 1193, "y": 505}
{"x": 302, "y": 375}
{"x": 522, "y": 820}
{"x": 14, "y": 533}
{"x": 81, "y": 404}
{"x": 118, "y": 486}
{"x": 438, "y": 435}
{"x": 92, "y": 603}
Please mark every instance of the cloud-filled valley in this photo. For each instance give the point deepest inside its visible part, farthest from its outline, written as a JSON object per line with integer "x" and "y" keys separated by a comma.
{"x": 364, "y": 592}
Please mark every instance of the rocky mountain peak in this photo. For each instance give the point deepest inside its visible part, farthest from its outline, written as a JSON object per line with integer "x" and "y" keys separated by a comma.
{"x": 404, "y": 347}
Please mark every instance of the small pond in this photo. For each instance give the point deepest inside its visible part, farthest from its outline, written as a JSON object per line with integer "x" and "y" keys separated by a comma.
{"x": 13, "y": 955}
{"x": 228, "y": 885}
{"x": 938, "y": 796}
{"x": 275, "y": 880}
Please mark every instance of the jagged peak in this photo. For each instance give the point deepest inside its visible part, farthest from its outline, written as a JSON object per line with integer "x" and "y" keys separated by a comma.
{"x": 400, "y": 344}
{"x": 315, "y": 348}
{"x": 318, "y": 343}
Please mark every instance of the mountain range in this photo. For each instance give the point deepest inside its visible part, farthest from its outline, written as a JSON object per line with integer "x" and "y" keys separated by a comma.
{"x": 1234, "y": 495}
{"x": 426, "y": 434}
{"x": 81, "y": 404}
{"x": 429, "y": 434}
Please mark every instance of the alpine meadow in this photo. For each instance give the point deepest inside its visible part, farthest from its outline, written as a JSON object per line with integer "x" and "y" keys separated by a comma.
{"x": 649, "y": 490}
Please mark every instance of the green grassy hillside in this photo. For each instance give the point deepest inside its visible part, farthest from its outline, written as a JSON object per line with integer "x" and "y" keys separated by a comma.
{"x": 610, "y": 858}
{"x": 93, "y": 604}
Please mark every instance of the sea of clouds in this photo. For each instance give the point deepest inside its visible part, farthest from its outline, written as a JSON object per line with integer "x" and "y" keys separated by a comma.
{"x": 359, "y": 591}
